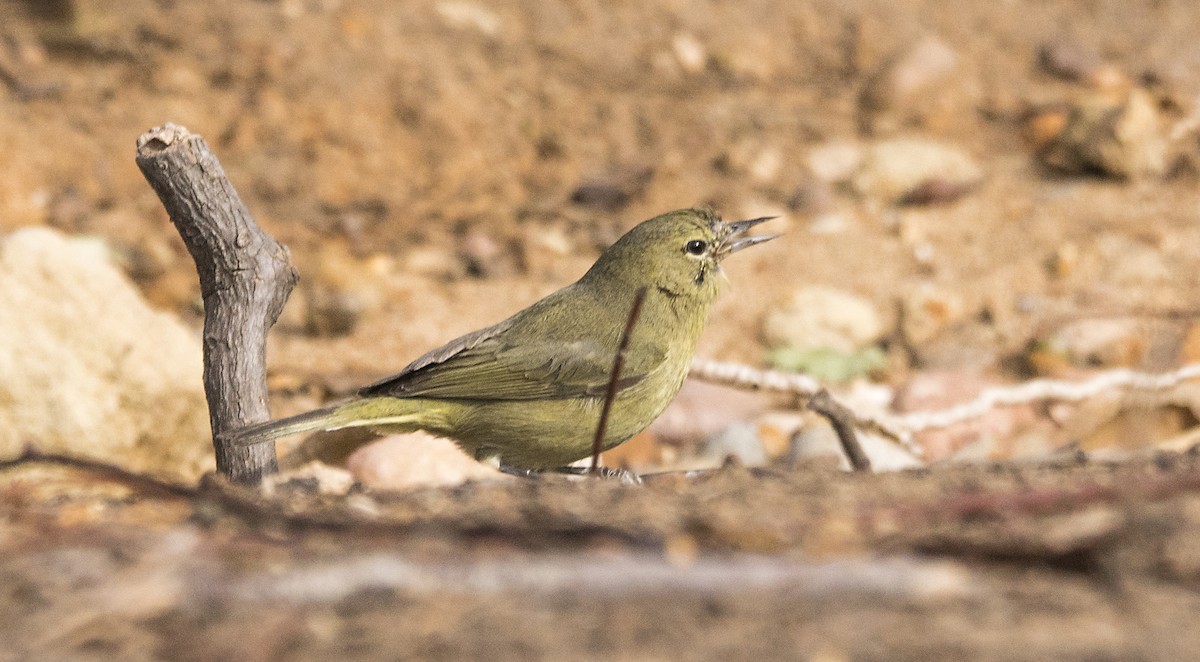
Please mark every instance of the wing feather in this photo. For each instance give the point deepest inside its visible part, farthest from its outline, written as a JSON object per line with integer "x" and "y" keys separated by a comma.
{"x": 484, "y": 366}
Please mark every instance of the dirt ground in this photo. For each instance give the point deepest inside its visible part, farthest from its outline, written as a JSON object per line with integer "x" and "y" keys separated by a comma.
{"x": 435, "y": 166}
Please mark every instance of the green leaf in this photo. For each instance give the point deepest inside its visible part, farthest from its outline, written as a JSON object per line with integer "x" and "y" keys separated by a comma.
{"x": 828, "y": 364}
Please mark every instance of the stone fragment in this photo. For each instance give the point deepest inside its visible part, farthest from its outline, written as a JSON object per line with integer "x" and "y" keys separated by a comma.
{"x": 912, "y": 170}
{"x": 906, "y": 86}
{"x": 822, "y": 317}
{"x": 415, "y": 460}
{"x": 88, "y": 368}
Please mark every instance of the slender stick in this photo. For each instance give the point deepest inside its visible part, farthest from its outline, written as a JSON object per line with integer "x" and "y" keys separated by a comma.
{"x": 100, "y": 468}
{"x": 842, "y": 420}
{"x": 610, "y": 393}
{"x": 245, "y": 278}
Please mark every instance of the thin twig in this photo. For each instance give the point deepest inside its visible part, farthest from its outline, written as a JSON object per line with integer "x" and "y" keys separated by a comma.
{"x": 112, "y": 472}
{"x": 741, "y": 376}
{"x": 902, "y": 428}
{"x": 1044, "y": 389}
{"x": 610, "y": 393}
{"x": 842, "y": 420}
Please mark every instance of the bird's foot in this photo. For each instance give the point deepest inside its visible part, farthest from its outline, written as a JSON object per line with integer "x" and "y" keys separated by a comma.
{"x": 518, "y": 471}
{"x": 626, "y": 477}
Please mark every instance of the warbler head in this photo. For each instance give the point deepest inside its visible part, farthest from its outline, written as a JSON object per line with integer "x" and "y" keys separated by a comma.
{"x": 679, "y": 253}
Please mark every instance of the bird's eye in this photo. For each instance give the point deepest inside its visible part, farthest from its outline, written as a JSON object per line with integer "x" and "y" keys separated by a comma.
{"x": 695, "y": 247}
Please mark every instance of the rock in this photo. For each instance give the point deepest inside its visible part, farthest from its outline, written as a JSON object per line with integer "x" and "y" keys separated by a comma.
{"x": 836, "y": 161}
{"x": 1138, "y": 263}
{"x": 433, "y": 261}
{"x": 1132, "y": 427}
{"x": 415, "y": 460}
{"x": 812, "y": 196}
{"x": 738, "y": 440}
{"x": 1068, "y": 60}
{"x": 87, "y": 368}
{"x": 467, "y": 15}
{"x": 701, "y": 410}
{"x": 820, "y": 317}
{"x": 907, "y": 170}
{"x": 543, "y": 251}
{"x": 816, "y": 439}
{"x": 927, "y": 311}
{"x": 1120, "y": 135}
{"x": 690, "y": 52}
{"x": 905, "y": 87}
{"x": 612, "y": 190}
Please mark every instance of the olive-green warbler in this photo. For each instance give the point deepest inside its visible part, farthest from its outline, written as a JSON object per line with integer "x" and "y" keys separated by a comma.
{"x": 528, "y": 391}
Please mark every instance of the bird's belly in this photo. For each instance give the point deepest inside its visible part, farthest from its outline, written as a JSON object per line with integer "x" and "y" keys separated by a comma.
{"x": 540, "y": 434}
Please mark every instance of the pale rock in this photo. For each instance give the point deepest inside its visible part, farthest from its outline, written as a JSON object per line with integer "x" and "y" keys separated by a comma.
{"x": 415, "y": 460}
{"x": 907, "y": 85}
{"x": 88, "y": 368}
{"x": 544, "y": 253}
{"x": 469, "y": 15}
{"x": 765, "y": 166}
{"x": 821, "y": 317}
{"x": 739, "y": 441}
{"x": 893, "y": 171}
{"x": 817, "y": 439}
{"x": 690, "y": 52}
{"x": 433, "y": 261}
{"x": 835, "y": 161}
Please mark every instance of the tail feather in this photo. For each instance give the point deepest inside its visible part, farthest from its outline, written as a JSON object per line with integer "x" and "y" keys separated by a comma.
{"x": 356, "y": 413}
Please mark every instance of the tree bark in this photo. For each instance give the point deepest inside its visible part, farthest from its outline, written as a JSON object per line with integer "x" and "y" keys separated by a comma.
{"x": 245, "y": 279}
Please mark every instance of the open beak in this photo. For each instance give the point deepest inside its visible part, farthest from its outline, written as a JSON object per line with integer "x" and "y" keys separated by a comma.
{"x": 730, "y": 242}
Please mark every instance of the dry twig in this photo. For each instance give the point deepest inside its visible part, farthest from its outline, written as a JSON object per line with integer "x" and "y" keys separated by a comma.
{"x": 842, "y": 420}
{"x": 902, "y": 428}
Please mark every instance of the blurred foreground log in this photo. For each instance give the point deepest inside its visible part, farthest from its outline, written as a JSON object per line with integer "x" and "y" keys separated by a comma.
{"x": 245, "y": 278}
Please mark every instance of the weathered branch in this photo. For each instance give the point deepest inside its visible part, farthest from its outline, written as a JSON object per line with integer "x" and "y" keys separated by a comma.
{"x": 245, "y": 278}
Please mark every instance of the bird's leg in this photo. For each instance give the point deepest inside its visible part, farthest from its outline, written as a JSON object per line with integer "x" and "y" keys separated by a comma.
{"x": 518, "y": 471}
{"x": 626, "y": 477}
